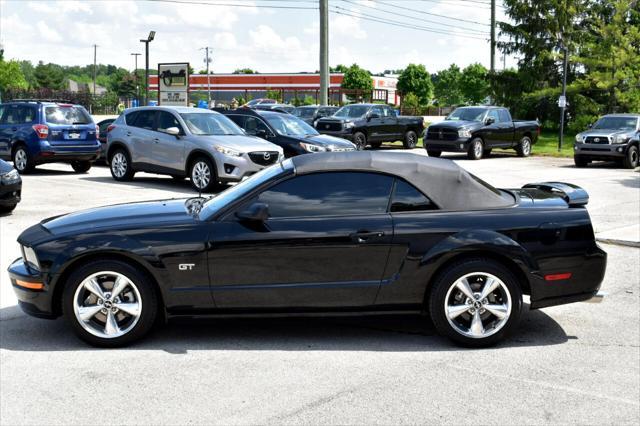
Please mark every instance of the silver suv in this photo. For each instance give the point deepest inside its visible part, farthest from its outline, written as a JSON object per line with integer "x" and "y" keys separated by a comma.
{"x": 180, "y": 141}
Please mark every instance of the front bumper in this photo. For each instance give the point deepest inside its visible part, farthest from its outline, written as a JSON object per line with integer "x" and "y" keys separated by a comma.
{"x": 10, "y": 194}
{"x": 33, "y": 292}
{"x": 458, "y": 145}
{"x": 600, "y": 151}
{"x": 234, "y": 169}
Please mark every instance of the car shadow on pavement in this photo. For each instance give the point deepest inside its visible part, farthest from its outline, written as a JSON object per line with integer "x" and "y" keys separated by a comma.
{"x": 388, "y": 333}
{"x": 144, "y": 182}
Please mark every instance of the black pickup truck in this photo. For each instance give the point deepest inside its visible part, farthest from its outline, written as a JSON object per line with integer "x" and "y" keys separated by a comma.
{"x": 477, "y": 130}
{"x": 371, "y": 124}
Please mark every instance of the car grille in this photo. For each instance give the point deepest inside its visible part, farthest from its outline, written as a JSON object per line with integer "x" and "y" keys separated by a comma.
{"x": 329, "y": 126}
{"x": 439, "y": 133}
{"x": 264, "y": 158}
{"x": 596, "y": 139}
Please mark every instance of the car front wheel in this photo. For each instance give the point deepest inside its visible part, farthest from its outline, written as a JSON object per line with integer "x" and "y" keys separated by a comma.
{"x": 630, "y": 161}
{"x": 580, "y": 161}
{"x": 476, "y": 149}
{"x": 524, "y": 147}
{"x": 434, "y": 153}
{"x": 120, "y": 165}
{"x": 81, "y": 166}
{"x": 109, "y": 303}
{"x": 203, "y": 175}
{"x": 476, "y": 302}
{"x": 360, "y": 140}
{"x": 410, "y": 140}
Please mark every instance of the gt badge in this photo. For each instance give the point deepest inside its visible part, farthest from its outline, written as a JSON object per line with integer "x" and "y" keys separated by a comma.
{"x": 186, "y": 266}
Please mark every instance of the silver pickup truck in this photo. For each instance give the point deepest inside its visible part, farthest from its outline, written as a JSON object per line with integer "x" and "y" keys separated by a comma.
{"x": 614, "y": 137}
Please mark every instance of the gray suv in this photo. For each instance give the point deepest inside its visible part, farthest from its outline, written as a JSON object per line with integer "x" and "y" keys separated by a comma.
{"x": 179, "y": 141}
{"x": 614, "y": 137}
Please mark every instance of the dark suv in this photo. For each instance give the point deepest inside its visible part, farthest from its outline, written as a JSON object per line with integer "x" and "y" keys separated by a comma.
{"x": 33, "y": 132}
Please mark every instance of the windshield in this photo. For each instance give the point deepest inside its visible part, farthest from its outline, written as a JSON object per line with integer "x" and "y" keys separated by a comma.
{"x": 352, "y": 111}
{"x": 467, "y": 114}
{"x": 616, "y": 123}
{"x": 304, "y": 112}
{"x": 210, "y": 124}
{"x": 66, "y": 115}
{"x": 289, "y": 125}
{"x": 241, "y": 189}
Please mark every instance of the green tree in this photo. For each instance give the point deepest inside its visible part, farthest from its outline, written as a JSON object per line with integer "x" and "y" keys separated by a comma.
{"x": 244, "y": 71}
{"x": 29, "y": 74}
{"x": 274, "y": 94}
{"x": 417, "y": 80}
{"x": 447, "y": 86}
{"x": 11, "y": 76}
{"x": 357, "y": 78}
{"x": 339, "y": 68}
{"x": 474, "y": 84}
{"x": 49, "y": 76}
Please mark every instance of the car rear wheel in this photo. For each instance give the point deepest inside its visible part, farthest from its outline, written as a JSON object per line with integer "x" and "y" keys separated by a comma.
{"x": 434, "y": 153}
{"x": 523, "y": 149}
{"x": 22, "y": 161}
{"x": 410, "y": 140}
{"x": 203, "y": 175}
{"x": 109, "y": 303}
{"x": 476, "y": 149}
{"x": 475, "y": 302}
{"x": 81, "y": 166}
{"x": 630, "y": 161}
{"x": 120, "y": 165}
{"x": 360, "y": 140}
{"x": 580, "y": 161}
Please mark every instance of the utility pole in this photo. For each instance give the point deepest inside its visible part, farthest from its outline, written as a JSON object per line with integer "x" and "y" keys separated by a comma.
{"x": 493, "y": 36}
{"x": 135, "y": 72}
{"x": 207, "y": 60}
{"x": 95, "y": 52}
{"x": 562, "y": 102}
{"x": 324, "y": 52}
{"x": 149, "y": 39}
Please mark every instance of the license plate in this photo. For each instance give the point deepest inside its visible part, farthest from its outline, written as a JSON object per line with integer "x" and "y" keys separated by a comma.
{"x": 74, "y": 135}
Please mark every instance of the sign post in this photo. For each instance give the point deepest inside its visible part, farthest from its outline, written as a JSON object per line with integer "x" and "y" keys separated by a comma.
{"x": 173, "y": 84}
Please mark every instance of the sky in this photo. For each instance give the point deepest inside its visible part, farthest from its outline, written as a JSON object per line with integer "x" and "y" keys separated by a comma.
{"x": 256, "y": 34}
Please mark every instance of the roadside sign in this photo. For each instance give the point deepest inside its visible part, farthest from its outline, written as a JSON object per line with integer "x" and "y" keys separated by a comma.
{"x": 173, "y": 84}
{"x": 562, "y": 101}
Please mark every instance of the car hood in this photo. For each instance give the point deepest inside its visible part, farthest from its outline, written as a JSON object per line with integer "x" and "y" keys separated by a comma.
{"x": 324, "y": 140}
{"x": 333, "y": 119}
{"x": 5, "y": 167}
{"x": 452, "y": 124}
{"x": 119, "y": 216}
{"x": 243, "y": 143}
{"x": 607, "y": 132}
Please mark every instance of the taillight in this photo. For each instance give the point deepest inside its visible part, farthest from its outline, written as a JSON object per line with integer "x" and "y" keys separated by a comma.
{"x": 539, "y": 130}
{"x": 110, "y": 127}
{"x": 97, "y": 131}
{"x": 42, "y": 130}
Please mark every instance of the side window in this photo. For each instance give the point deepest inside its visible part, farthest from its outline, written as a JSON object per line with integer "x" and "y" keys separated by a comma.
{"x": 406, "y": 198}
{"x": 387, "y": 112}
{"x": 131, "y": 117}
{"x": 494, "y": 114}
{"x": 253, "y": 124}
{"x": 377, "y": 110}
{"x": 504, "y": 115}
{"x": 28, "y": 114}
{"x": 166, "y": 120}
{"x": 104, "y": 126}
{"x": 325, "y": 194}
{"x": 145, "y": 120}
{"x": 2, "y": 109}
{"x": 238, "y": 119}
{"x": 12, "y": 115}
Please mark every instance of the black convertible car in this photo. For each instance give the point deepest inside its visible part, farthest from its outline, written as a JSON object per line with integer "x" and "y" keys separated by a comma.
{"x": 339, "y": 233}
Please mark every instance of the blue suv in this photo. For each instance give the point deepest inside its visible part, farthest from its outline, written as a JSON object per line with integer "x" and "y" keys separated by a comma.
{"x": 34, "y": 132}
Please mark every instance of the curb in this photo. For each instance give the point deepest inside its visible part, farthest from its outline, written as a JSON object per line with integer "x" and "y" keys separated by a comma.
{"x": 624, "y": 243}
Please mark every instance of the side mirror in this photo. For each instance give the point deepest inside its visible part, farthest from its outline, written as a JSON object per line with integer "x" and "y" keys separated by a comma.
{"x": 256, "y": 212}
{"x": 173, "y": 131}
{"x": 489, "y": 120}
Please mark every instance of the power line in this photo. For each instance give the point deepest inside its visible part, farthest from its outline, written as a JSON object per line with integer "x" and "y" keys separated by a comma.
{"x": 432, "y": 14}
{"x": 204, "y": 3}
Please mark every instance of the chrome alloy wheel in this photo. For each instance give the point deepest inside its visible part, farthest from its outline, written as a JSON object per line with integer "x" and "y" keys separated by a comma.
{"x": 478, "y": 305}
{"x": 119, "y": 164}
{"x": 477, "y": 149}
{"x": 107, "y": 304}
{"x": 201, "y": 174}
{"x": 20, "y": 159}
{"x": 526, "y": 147}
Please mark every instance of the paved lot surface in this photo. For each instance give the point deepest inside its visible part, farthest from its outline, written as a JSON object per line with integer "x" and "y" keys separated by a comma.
{"x": 578, "y": 363}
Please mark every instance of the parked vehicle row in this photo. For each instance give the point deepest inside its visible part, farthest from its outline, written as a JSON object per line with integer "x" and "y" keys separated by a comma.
{"x": 10, "y": 187}
{"x": 613, "y": 137}
{"x": 311, "y": 113}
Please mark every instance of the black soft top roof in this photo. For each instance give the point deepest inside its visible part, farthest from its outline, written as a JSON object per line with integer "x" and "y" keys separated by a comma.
{"x": 447, "y": 184}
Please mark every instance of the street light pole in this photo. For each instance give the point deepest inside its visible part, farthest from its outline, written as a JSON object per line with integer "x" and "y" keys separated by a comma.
{"x": 146, "y": 42}
{"x": 324, "y": 52}
{"x": 95, "y": 52}
{"x": 135, "y": 73}
{"x": 563, "y": 98}
{"x": 207, "y": 60}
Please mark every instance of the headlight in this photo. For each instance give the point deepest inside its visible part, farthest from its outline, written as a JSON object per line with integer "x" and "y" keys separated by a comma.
{"x": 11, "y": 177}
{"x": 349, "y": 125}
{"x": 620, "y": 139}
{"x": 464, "y": 133}
{"x": 578, "y": 137}
{"x": 312, "y": 148}
{"x": 30, "y": 258}
{"x": 228, "y": 151}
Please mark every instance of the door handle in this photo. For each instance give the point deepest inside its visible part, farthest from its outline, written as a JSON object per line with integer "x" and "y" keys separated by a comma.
{"x": 14, "y": 129}
{"x": 156, "y": 140}
{"x": 364, "y": 236}
{"x": 128, "y": 133}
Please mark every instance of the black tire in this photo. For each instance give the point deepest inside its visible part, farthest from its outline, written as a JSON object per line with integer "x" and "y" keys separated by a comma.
{"x": 8, "y": 209}
{"x": 630, "y": 160}
{"x": 360, "y": 140}
{"x": 523, "y": 149}
{"x": 486, "y": 153}
{"x": 410, "y": 140}
{"x": 197, "y": 174}
{"x": 447, "y": 279}
{"x": 120, "y": 165}
{"x": 148, "y": 302}
{"x": 434, "y": 153}
{"x": 476, "y": 149}
{"x": 375, "y": 145}
{"x": 22, "y": 160}
{"x": 81, "y": 166}
{"x": 580, "y": 161}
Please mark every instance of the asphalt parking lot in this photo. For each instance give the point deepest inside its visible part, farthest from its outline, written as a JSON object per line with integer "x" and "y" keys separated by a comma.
{"x": 578, "y": 363}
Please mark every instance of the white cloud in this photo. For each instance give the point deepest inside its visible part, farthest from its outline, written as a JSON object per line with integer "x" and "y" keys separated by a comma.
{"x": 226, "y": 40}
{"x": 347, "y": 26}
{"x": 48, "y": 33}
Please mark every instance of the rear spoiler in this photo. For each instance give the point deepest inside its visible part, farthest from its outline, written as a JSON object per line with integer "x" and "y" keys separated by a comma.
{"x": 572, "y": 194}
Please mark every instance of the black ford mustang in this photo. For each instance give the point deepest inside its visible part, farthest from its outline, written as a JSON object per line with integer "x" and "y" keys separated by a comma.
{"x": 345, "y": 233}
